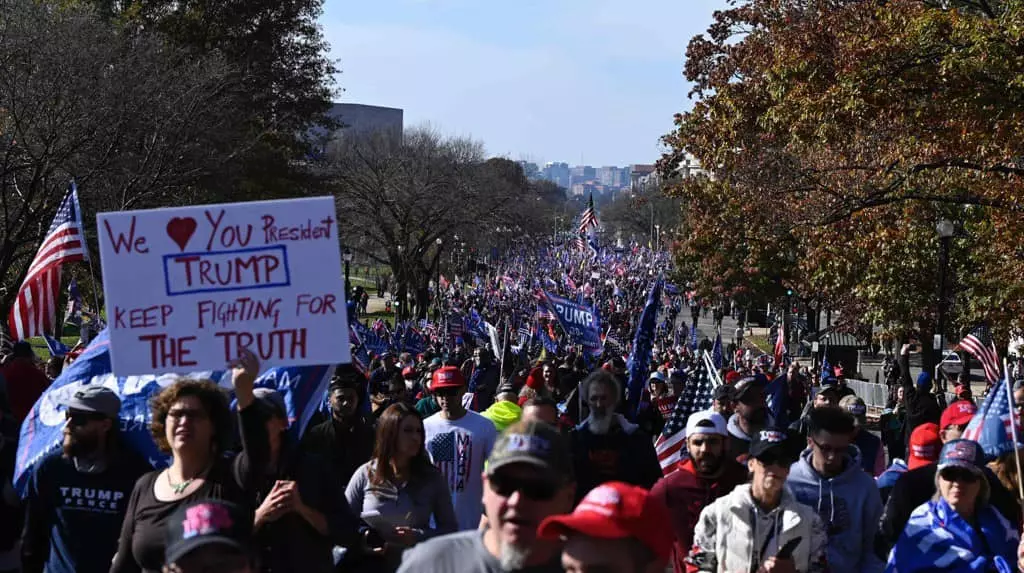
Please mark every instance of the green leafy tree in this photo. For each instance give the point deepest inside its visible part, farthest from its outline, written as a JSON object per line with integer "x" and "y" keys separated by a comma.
{"x": 840, "y": 131}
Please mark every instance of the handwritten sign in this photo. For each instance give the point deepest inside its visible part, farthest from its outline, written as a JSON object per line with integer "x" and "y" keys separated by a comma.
{"x": 187, "y": 287}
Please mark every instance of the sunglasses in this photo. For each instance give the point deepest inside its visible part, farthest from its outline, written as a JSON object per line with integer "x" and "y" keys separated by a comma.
{"x": 82, "y": 418}
{"x": 959, "y": 475}
{"x": 535, "y": 489}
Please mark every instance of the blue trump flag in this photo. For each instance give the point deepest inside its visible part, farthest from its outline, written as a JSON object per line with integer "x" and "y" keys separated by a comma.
{"x": 693, "y": 338}
{"x": 580, "y": 322}
{"x": 56, "y": 347}
{"x": 716, "y": 352}
{"x": 777, "y": 401}
{"x": 42, "y": 431}
{"x": 994, "y": 424}
{"x": 643, "y": 343}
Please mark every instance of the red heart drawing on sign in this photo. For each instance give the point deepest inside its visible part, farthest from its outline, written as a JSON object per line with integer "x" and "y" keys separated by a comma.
{"x": 180, "y": 230}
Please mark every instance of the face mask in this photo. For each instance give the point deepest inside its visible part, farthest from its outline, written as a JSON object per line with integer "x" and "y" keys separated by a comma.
{"x": 409, "y": 384}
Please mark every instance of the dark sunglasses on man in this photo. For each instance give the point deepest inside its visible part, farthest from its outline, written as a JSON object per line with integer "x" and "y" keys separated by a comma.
{"x": 79, "y": 418}
{"x": 536, "y": 489}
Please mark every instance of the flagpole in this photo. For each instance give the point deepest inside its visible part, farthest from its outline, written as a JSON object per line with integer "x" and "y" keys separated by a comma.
{"x": 1013, "y": 427}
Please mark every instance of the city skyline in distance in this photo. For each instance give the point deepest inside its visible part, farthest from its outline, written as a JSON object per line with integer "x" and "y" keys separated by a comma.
{"x": 578, "y": 81}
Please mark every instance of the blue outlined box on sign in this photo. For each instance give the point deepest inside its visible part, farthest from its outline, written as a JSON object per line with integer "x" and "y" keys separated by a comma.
{"x": 226, "y": 271}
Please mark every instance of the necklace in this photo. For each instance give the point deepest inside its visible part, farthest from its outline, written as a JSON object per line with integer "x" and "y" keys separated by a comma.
{"x": 181, "y": 487}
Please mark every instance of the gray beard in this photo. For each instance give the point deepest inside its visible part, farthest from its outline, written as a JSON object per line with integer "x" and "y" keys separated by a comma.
{"x": 600, "y": 424}
{"x": 512, "y": 558}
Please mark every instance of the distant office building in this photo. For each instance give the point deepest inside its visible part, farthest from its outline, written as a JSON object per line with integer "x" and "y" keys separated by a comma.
{"x": 557, "y": 173}
{"x": 640, "y": 176}
{"x": 355, "y": 119}
{"x": 530, "y": 170}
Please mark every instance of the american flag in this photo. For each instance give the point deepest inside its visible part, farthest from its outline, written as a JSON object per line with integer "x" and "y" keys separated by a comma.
{"x": 979, "y": 343}
{"x": 695, "y": 397}
{"x": 589, "y": 217}
{"x": 993, "y": 424}
{"x": 544, "y": 312}
{"x": 35, "y": 310}
{"x": 579, "y": 244}
{"x": 451, "y": 453}
{"x": 780, "y": 344}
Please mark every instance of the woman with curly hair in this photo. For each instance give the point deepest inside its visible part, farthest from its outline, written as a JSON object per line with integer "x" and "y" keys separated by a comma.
{"x": 192, "y": 421}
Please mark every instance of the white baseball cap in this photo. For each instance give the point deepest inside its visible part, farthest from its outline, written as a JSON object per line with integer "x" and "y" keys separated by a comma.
{"x": 706, "y": 422}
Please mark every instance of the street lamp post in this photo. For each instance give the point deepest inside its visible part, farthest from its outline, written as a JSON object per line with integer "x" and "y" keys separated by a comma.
{"x": 347, "y": 257}
{"x": 945, "y": 229}
{"x": 437, "y": 285}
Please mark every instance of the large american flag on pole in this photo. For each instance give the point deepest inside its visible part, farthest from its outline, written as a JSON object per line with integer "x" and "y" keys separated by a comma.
{"x": 979, "y": 343}
{"x": 589, "y": 217}
{"x": 35, "y": 310}
{"x": 695, "y": 397}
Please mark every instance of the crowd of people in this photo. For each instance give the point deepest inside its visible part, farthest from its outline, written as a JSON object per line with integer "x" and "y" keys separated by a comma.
{"x": 468, "y": 456}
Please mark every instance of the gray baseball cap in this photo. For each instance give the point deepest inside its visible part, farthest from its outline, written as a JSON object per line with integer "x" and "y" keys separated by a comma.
{"x": 272, "y": 400}
{"x": 97, "y": 399}
{"x": 536, "y": 444}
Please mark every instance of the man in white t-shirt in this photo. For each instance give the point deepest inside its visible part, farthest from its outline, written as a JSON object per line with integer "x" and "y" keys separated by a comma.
{"x": 458, "y": 441}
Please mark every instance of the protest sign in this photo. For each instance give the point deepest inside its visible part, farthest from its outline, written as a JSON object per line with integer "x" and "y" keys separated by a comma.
{"x": 186, "y": 287}
{"x": 43, "y": 430}
{"x": 579, "y": 321}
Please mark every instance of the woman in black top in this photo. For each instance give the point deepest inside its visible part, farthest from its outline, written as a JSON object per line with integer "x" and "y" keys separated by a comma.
{"x": 192, "y": 420}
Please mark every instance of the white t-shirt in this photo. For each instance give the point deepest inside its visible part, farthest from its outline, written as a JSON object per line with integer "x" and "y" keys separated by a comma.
{"x": 459, "y": 448}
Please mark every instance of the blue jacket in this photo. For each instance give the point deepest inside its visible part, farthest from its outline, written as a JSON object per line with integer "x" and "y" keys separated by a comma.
{"x": 849, "y": 505}
{"x": 937, "y": 538}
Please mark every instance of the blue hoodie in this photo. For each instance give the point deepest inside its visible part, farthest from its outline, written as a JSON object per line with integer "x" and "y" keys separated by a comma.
{"x": 849, "y": 505}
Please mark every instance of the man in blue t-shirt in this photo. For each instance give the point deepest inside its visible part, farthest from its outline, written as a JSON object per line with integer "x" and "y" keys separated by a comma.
{"x": 77, "y": 497}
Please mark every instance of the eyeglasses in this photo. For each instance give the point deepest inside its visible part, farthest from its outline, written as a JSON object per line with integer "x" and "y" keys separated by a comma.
{"x": 827, "y": 449}
{"x": 190, "y": 413}
{"x": 535, "y": 489}
{"x": 82, "y": 418}
{"x": 959, "y": 475}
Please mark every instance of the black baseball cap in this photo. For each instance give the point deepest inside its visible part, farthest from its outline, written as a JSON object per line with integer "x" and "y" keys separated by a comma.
{"x": 207, "y": 522}
{"x": 723, "y": 392}
{"x": 778, "y": 443}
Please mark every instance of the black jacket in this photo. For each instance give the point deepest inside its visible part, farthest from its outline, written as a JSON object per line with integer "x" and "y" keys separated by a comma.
{"x": 291, "y": 543}
{"x": 916, "y": 487}
{"x": 625, "y": 454}
{"x": 922, "y": 407}
{"x": 345, "y": 448}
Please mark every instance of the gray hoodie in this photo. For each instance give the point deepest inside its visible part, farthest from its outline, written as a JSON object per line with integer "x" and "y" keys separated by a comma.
{"x": 850, "y": 507}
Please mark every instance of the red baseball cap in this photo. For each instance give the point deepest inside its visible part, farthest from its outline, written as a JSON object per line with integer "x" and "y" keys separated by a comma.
{"x": 447, "y": 377}
{"x": 925, "y": 446}
{"x": 616, "y": 510}
{"x": 958, "y": 413}
{"x": 408, "y": 372}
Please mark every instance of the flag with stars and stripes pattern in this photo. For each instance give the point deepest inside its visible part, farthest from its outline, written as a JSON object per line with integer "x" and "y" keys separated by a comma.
{"x": 979, "y": 343}
{"x": 695, "y": 397}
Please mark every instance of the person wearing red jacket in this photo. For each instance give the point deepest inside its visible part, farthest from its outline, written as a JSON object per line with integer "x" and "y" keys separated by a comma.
{"x": 25, "y": 381}
{"x": 706, "y": 475}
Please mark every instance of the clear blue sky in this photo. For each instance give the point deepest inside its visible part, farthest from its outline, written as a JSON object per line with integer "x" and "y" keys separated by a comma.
{"x": 546, "y": 80}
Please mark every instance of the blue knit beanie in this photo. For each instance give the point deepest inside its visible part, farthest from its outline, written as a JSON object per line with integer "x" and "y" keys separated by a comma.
{"x": 924, "y": 380}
